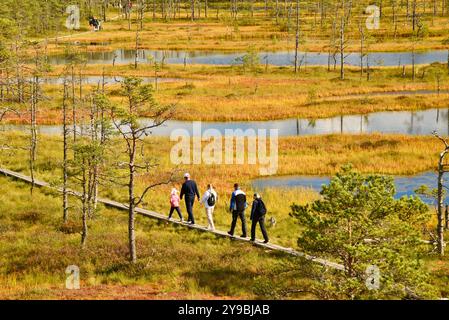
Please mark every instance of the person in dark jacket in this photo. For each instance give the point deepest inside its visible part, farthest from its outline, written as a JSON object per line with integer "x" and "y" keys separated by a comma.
{"x": 94, "y": 23}
{"x": 237, "y": 207}
{"x": 258, "y": 213}
{"x": 189, "y": 190}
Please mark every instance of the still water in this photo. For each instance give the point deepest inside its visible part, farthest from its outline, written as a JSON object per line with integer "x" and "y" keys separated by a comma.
{"x": 405, "y": 185}
{"x": 400, "y": 122}
{"x": 285, "y": 58}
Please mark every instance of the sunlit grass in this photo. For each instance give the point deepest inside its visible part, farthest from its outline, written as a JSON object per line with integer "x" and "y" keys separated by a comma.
{"x": 297, "y": 156}
{"x": 261, "y": 32}
{"x": 173, "y": 263}
{"x": 224, "y": 93}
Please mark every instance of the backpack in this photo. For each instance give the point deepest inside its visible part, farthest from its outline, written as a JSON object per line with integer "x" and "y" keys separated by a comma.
{"x": 211, "y": 200}
{"x": 239, "y": 203}
{"x": 262, "y": 208}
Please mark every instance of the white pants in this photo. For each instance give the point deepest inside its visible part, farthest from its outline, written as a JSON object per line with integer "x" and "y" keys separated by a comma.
{"x": 210, "y": 219}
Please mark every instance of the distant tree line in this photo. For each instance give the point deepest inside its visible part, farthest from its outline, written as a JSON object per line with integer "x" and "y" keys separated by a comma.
{"x": 40, "y": 17}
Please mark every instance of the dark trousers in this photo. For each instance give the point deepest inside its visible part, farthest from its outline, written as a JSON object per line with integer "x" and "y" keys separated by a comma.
{"x": 189, "y": 208}
{"x": 235, "y": 216}
{"x": 261, "y": 221}
{"x": 177, "y": 210}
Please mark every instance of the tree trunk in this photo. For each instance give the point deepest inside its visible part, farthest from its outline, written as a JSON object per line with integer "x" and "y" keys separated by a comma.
{"x": 362, "y": 45}
{"x": 446, "y": 218}
{"x": 33, "y": 135}
{"x": 105, "y": 7}
{"x": 128, "y": 10}
{"x": 342, "y": 49}
{"x": 131, "y": 202}
{"x": 395, "y": 19}
{"x": 297, "y": 36}
{"x": 65, "y": 202}
{"x": 154, "y": 9}
{"x": 84, "y": 203}
{"x": 440, "y": 214}
{"x": 73, "y": 104}
{"x": 142, "y": 12}
{"x": 413, "y": 63}
{"x": 277, "y": 11}
{"x": 136, "y": 54}
{"x": 414, "y": 15}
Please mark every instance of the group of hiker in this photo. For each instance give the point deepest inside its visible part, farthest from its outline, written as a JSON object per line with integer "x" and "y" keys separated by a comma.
{"x": 238, "y": 206}
{"x": 95, "y": 23}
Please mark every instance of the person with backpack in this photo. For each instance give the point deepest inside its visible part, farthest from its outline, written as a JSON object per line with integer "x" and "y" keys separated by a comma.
{"x": 189, "y": 190}
{"x": 174, "y": 203}
{"x": 209, "y": 200}
{"x": 95, "y": 23}
{"x": 237, "y": 207}
{"x": 258, "y": 212}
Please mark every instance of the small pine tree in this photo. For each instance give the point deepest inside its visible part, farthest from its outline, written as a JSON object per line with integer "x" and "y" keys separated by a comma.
{"x": 359, "y": 223}
{"x": 140, "y": 101}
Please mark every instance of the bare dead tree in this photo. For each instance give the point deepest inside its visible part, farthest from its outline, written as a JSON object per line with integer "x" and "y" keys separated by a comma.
{"x": 40, "y": 67}
{"x": 65, "y": 132}
{"x": 362, "y": 46}
{"x": 414, "y": 15}
{"x": 342, "y": 47}
{"x": 136, "y": 53}
{"x": 100, "y": 132}
{"x": 395, "y": 17}
{"x": 33, "y": 127}
{"x": 142, "y": 7}
{"x": 128, "y": 13}
{"x": 81, "y": 170}
{"x": 89, "y": 161}
{"x": 442, "y": 169}
{"x": 418, "y": 35}
{"x": 84, "y": 197}
{"x": 332, "y": 47}
{"x": 297, "y": 36}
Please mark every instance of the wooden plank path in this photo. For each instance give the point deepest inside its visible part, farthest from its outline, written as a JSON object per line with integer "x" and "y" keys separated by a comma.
{"x": 156, "y": 215}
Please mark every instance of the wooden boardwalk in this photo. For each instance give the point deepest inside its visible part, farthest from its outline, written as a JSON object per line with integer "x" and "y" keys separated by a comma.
{"x": 156, "y": 215}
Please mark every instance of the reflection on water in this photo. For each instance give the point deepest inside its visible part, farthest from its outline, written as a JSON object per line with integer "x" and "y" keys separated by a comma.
{"x": 400, "y": 122}
{"x": 386, "y": 94}
{"x": 405, "y": 186}
{"x": 286, "y": 58}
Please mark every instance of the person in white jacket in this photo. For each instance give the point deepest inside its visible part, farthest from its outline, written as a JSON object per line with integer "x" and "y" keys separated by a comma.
{"x": 209, "y": 200}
